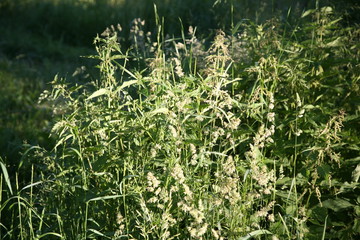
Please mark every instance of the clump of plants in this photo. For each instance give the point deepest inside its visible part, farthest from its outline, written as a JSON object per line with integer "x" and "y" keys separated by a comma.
{"x": 254, "y": 136}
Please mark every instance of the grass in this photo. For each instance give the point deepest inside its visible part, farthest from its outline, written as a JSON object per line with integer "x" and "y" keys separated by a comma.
{"x": 251, "y": 133}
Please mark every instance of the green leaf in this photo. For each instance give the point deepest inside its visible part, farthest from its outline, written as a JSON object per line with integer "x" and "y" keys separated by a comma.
{"x": 254, "y": 234}
{"x": 50, "y": 233}
{"x": 98, "y": 93}
{"x": 159, "y": 110}
{"x": 356, "y": 173}
{"x": 286, "y": 197}
{"x": 6, "y": 176}
{"x": 324, "y": 229}
{"x": 337, "y": 204}
{"x": 308, "y": 12}
{"x": 126, "y": 84}
{"x": 336, "y": 43}
{"x": 98, "y": 233}
{"x": 31, "y": 185}
{"x": 105, "y": 198}
{"x": 333, "y": 22}
{"x": 309, "y": 106}
{"x": 356, "y": 226}
{"x": 318, "y": 214}
{"x": 25, "y": 154}
{"x": 236, "y": 28}
{"x": 114, "y": 57}
{"x": 216, "y": 153}
{"x": 291, "y": 209}
{"x": 327, "y": 9}
{"x": 323, "y": 170}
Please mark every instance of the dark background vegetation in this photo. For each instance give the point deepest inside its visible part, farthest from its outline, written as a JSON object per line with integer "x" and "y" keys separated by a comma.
{"x": 42, "y": 38}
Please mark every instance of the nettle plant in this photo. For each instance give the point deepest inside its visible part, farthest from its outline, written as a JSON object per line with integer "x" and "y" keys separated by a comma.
{"x": 247, "y": 138}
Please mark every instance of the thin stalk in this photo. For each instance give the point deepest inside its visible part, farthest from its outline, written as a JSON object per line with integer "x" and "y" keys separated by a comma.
{"x": 286, "y": 228}
{"x": 85, "y": 220}
{"x": 124, "y": 198}
{"x": 1, "y": 191}
{"x": 32, "y": 234}
{"x": 19, "y": 207}
{"x": 295, "y": 161}
{"x": 324, "y": 230}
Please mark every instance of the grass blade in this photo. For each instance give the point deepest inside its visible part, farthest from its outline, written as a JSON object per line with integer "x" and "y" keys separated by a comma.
{"x": 98, "y": 93}
{"x": 6, "y": 176}
{"x": 324, "y": 231}
{"x": 254, "y": 234}
{"x": 105, "y": 198}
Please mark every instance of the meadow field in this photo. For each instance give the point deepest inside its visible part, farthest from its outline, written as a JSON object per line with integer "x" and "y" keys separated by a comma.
{"x": 165, "y": 119}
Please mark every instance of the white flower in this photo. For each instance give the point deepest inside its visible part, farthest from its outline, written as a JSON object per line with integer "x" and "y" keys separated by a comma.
{"x": 173, "y": 131}
{"x": 301, "y": 113}
{"x": 152, "y": 182}
{"x": 202, "y": 230}
{"x": 271, "y": 106}
{"x": 192, "y": 148}
{"x": 271, "y": 116}
{"x": 178, "y": 173}
{"x": 299, "y": 132}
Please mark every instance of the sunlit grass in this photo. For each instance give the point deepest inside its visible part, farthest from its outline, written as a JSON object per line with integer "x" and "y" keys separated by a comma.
{"x": 250, "y": 134}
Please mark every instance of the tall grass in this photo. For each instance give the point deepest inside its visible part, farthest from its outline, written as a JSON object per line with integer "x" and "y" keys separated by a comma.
{"x": 43, "y": 38}
{"x": 252, "y": 136}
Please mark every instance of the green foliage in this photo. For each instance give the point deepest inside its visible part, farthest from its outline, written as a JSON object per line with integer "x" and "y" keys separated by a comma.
{"x": 253, "y": 136}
